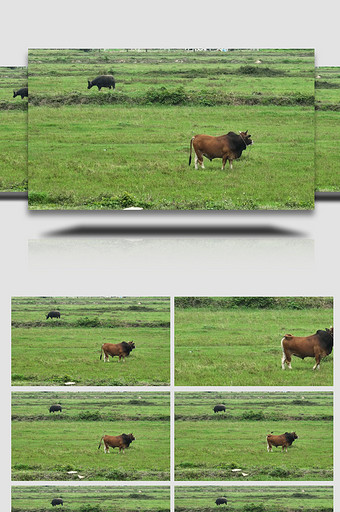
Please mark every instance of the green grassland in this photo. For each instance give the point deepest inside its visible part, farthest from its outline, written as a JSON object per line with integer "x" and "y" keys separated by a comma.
{"x": 255, "y": 499}
{"x": 210, "y": 446}
{"x": 327, "y": 132}
{"x": 45, "y": 446}
{"x": 130, "y": 146}
{"x": 13, "y": 131}
{"x": 91, "y": 499}
{"x": 240, "y": 346}
{"x": 55, "y": 351}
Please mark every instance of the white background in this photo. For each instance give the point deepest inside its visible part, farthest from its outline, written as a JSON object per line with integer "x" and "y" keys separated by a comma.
{"x": 213, "y": 262}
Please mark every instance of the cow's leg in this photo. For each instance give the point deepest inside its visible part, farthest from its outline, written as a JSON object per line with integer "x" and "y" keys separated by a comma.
{"x": 106, "y": 357}
{"x": 230, "y": 164}
{"x": 317, "y": 364}
{"x": 199, "y": 159}
{"x": 283, "y": 360}
{"x": 224, "y": 160}
{"x": 289, "y": 360}
{"x": 269, "y": 447}
{"x": 106, "y": 449}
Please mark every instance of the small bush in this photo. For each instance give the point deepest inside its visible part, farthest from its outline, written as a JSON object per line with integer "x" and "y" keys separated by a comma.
{"x": 140, "y": 308}
{"x": 260, "y": 71}
{"x": 166, "y": 97}
{"x": 125, "y": 200}
{"x": 38, "y": 198}
{"x": 88, "y": 322}
{"x": 303, "y": 495}
{"x": 89, "y": 416}
{"x": 252, "y": 415}
{"x": 326, "y": 85}
{"x": 280, "y": 473}
{"x": 139, "y": 402}
{"x": 18, "y": 376}
{"x": 254, "y": 302}
{"x": 137, "y": 496}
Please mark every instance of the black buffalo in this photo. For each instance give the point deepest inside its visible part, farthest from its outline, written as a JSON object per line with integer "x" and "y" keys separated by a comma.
{"x": 57, "y": 501}
{"x": 102, "y": 81}
{"x": 55, "y": 408}
{"x": 221, "y": 501}
{"x": 23, "y": 92}
{"x": 53, "y": 314}
{"x": 219, "y": 408}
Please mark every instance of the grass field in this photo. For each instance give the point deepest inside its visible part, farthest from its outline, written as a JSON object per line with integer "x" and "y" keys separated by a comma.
{"x": 210, "y": 446}
{"x": 46, "y": 446}
{"x": 13, "y": 130}
{"x": 327, "y": 132}
{"x": 130, "y": 146}
{"x": 91, "y": 499}
{"x": 255, "y": 499}
{"x": 239, "y": 346}
{"x": 68, "y": 349}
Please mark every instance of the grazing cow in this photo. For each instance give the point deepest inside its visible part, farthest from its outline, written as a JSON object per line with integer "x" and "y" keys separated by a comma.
{"x": 228, "y": 147}
{"x": 121, "y": 350}
{"x": 55, "y": 408}
{"x": 23, "y": 92}
{"x": 102, "y": 81}
{"x": 318, "y": 345}
{"x": 219, "y": 408}
{"x": 53, "y": 314}
{"x": 120, "y": 442}
{"x": 57, "y": 501}
{"x": 283, "y": 440}
{"x": 221, "y": 501}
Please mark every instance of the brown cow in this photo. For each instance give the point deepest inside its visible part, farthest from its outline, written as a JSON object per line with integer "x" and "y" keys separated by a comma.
{"x": 121, "y": 350}
{"x": 318, "y": 345}
{"x": 283, "y": 440}
{"x": 228, "y": 147}
{"x": 120, "y": 442}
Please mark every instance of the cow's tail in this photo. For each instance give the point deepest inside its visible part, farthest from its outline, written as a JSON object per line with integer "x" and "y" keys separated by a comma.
{"x": 100, "y": 443}
{"x": 192, "y": 138}
{"x": 101, "y": 353}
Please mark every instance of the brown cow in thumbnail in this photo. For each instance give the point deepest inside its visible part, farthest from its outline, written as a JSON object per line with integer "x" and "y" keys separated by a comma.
{"x": 283, "y": 440}
{"x": 120, "y": 442}
{"x": 318, "y": 345}
{"x": 121, "y": 350}
{"x": 228, "y": 147}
